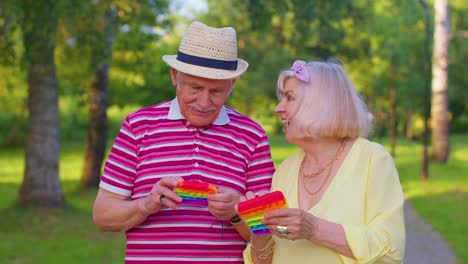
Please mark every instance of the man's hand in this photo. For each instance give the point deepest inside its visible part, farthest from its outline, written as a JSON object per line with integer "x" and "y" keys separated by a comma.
{"x": 162, "y": 196}
{"x": 222, "y": 204}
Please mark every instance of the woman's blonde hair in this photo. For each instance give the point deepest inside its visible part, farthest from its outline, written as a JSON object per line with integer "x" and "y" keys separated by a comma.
{"x": 330, "y": 105}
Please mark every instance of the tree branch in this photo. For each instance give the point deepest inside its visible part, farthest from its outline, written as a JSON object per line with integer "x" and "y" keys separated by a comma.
{"x": 463, "y": 34}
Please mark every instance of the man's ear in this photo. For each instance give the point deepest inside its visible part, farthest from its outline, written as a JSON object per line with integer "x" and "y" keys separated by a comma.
{"x": 232, "y": 85}
{"x": 173, "y": 76}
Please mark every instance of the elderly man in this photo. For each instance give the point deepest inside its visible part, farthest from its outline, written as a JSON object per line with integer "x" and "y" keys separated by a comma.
{"x": 193, "y": 137}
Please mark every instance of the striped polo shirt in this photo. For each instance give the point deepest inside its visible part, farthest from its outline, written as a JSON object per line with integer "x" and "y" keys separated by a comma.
{"x": 156, "y": 142}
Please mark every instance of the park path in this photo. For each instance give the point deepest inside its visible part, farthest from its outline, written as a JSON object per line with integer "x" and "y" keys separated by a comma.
{"x": 423, "y": 244}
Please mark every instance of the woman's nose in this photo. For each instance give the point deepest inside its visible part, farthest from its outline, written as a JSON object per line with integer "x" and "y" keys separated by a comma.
{"x": 279, "y": 108}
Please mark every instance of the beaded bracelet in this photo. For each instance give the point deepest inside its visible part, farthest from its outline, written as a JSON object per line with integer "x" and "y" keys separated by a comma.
{"x": 268, "y": 244}
{"x": 255, "y": 252}
{"x": 265, "y": 255}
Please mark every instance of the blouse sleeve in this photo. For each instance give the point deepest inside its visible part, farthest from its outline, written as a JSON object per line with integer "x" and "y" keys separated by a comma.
{"x": 247, "y": 255}
{"x": 382, "y": 238}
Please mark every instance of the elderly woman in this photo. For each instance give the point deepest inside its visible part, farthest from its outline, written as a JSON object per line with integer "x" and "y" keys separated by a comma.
{"x": 345, "y": 202}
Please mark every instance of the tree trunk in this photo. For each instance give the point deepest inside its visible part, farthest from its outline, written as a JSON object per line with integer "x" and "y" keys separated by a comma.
{"x": 393, "y": 98}
{"x": 439, "y": 111}
{"x": 409, "y": 125}
{"x": 41, "y": 185}
{"x": 98, "y": 101}
{"x": 97, "y": 131}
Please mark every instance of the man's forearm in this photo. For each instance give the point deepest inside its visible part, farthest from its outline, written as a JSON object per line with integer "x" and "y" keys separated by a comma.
{"x": 114, "y": 214}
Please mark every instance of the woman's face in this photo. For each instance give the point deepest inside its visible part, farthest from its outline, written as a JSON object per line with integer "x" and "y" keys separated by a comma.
{"x": 290, "y": 100}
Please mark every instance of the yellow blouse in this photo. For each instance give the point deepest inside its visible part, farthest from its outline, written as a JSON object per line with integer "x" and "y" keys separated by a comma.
{"x": 365, "y": 197}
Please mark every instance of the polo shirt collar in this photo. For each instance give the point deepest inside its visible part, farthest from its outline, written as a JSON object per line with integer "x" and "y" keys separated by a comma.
{"x": 175, "y": 114}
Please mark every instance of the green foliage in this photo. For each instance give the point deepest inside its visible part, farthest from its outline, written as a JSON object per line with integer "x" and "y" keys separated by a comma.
{"x": 9, "y": 32}
{"x": 138, "y": 75}
{"x": 365, "y": 35}
{"x": 458, "y": 55}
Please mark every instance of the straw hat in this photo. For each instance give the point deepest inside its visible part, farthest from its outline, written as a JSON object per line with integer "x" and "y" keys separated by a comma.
{"x": 208, "y": 52}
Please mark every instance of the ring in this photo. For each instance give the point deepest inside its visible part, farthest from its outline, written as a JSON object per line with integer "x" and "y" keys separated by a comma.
{"x": 282, "y": 230}
{"x": 161, "y": 197}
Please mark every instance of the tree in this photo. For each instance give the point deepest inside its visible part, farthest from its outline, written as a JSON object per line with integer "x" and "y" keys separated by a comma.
{"x": 104, "y": 26}
{"x": 458, "y": 67}
{"x": 96, "y": 35}
{"x": 41, "y": 185}
{"x": 439, "y": 111}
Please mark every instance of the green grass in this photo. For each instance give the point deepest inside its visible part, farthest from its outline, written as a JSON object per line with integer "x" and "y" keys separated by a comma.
{"x": 69, "y": 236}
{"x": 442, "y": 200}
{"x": 47, "y": 235}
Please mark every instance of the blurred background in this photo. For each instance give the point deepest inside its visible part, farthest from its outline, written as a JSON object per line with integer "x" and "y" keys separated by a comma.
{"x": 70, "y": 71}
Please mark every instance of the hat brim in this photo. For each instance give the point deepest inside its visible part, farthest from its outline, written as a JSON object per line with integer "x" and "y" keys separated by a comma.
{"x": 205, "y": 72}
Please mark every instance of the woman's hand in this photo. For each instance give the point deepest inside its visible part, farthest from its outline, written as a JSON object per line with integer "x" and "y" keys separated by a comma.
{"x": 291, "y": 223}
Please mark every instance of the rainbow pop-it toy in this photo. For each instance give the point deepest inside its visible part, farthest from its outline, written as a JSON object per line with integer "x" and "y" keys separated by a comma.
{"x": 253, "y": 210}
{"x": 194, "y": 192}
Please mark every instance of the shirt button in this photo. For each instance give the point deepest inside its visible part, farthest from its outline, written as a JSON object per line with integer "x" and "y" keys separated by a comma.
{"x": 197, "y": 149}
{"x": 196, "y": 165}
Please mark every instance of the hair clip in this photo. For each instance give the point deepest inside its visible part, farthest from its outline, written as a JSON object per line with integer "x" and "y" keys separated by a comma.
{"x": 300, "y": 70}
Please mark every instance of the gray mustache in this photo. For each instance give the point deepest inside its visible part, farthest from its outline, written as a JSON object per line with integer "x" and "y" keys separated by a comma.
{"x": 201, "y": 109}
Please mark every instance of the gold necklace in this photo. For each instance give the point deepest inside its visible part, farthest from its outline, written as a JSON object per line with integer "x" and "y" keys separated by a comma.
{"x": 338, "y": 153}
{"x": 321, "y": 186}
{"x": 328, "y": 164}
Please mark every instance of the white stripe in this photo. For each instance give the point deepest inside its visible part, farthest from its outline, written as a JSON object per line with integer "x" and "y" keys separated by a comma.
{"x": 184, "y": 241}
{"x": 220, "y": 178}
{"x": 106, "y": 175}
{"x": 266, "y": 177}
{"x": 262, "y": 161}
{"x": 123, "y": 149}
{"x": 221, "y": 148}
{"x": 113, "y": 189}
{"x": 149, "y": 116}
{"x": 248, "y": 128}
{"x": 160, "y": 130}
{"x": 169, "y": 129}
{"x": 178, "y": 224}
{"x": 168, "y": 144}
{"x": 264, "y": 143}
{"x": 128, "y": 133}
{"x": 213, "y": 161}
{"x": 231, "y": 137}
{"x": 161, "y": 175}
{"x": 121, "y": 166}
{"x": 163, "y": 159}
